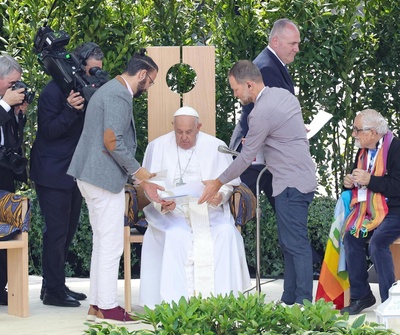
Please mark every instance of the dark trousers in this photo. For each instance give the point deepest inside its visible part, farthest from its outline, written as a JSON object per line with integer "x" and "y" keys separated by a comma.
{"x": 61, "y": 210}
{"x": 249, "y": 177}
{"x": 292, "y": 216}
{"x": 380, "y": 240}
{"x": 7, "y": 184}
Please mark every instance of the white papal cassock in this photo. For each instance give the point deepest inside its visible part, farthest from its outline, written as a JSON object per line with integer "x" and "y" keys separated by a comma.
{"x": 195, "y": 248}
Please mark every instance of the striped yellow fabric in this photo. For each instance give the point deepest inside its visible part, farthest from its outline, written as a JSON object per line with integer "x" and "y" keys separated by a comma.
{"x": 11, "y": 209}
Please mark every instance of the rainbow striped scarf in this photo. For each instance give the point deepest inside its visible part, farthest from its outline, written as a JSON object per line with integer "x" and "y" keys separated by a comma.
{"x": 367, "y": 215}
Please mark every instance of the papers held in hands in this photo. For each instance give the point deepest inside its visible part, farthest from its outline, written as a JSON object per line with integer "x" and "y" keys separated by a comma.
{"x": 318, "y": 122}
{"x": 171, "y": 197}
{"x": 159, "y": 176}
{"x": 193, "y": 189}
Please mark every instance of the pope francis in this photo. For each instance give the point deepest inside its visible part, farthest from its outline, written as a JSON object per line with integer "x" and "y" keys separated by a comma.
{"x": 189, "y": 249}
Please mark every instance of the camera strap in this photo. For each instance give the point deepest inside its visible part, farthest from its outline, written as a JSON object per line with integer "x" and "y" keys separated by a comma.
{"x": 20, "y": 131}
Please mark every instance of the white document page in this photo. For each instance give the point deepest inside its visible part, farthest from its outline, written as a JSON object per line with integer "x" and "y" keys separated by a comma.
{"x": 160, "y": 176}
{"x": 194, "y": 189}
{"x": 318, "y": 122}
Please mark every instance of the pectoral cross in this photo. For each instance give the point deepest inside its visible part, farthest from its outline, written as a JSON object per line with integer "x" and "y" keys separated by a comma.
{"x": 180, "y": 182}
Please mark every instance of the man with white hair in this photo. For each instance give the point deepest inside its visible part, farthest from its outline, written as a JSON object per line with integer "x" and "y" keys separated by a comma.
{"x": 375, "y": 203}
{"x": 189, "y": 248}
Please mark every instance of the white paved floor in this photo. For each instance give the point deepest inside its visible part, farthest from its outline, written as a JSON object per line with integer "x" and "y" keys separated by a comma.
{"x": 46, "y": 320}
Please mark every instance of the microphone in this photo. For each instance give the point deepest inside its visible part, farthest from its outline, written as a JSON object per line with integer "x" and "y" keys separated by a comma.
{"x": 225, "y": 150}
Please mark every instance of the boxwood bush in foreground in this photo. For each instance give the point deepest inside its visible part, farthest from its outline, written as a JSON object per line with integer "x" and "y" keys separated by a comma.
{"x": 245, "y": 315}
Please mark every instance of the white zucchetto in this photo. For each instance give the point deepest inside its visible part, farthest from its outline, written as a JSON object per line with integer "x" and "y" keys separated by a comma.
{"x": 186, "y": 110}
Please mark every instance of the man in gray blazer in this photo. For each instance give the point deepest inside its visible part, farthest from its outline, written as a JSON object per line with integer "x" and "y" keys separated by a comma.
{"x": 277, "y": 129}
{"x": 102, "y": 162}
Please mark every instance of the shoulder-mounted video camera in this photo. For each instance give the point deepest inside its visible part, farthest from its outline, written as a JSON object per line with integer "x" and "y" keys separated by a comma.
{"x": 68, "y": 72}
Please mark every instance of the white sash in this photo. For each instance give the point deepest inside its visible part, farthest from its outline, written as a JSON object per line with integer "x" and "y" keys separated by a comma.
{"x": 203, "y": 251}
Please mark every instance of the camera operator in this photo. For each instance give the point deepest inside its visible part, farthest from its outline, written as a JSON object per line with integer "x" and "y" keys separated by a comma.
{"x": 12, "y": 118}
{"x": 60, "y": 123}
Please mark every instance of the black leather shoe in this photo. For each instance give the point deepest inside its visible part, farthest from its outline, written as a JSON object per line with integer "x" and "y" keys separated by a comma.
{"x": 75, "y": 295}
{"x": 357, "y": 305}
{"x": 3, "y": 297}
{"x": 60, "y": 299}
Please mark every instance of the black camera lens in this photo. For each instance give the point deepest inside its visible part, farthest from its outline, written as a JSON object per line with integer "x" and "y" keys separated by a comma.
{"x": 17, "y": 163}
{"x": 95, "y": 70}
{"x": 28, "y": 95}
{"x": 11, "y": 160}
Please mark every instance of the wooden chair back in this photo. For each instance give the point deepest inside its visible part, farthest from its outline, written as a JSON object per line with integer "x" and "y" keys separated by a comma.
{"x": 163, "y": 103}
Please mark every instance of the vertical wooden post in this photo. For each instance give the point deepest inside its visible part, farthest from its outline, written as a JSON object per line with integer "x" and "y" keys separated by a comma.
{"x": 202, "y": 96}
{"x": 162, "y": 102}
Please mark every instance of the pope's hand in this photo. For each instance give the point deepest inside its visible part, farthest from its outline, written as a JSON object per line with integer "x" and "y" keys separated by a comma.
{"x": 216, "y": 200}
{"x": 211, "y": 189}
{"x": 168, "y": 206}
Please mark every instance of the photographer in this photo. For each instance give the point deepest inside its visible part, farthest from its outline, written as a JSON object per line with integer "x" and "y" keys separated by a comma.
{"x": 60, "y": 123}
{"x": 12, "y": 119}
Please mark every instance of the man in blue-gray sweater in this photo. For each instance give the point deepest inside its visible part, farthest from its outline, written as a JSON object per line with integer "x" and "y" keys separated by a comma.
{"x": 102, "y": 163}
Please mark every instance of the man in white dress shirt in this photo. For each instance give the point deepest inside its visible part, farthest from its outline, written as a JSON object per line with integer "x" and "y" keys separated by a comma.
{"x": 190, "y": 249}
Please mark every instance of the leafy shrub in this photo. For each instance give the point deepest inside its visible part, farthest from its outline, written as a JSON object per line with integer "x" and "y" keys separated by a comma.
{"x": 245, "y": 315}
{"x": 320, "y": 217}
{"x": 349, "y": 57}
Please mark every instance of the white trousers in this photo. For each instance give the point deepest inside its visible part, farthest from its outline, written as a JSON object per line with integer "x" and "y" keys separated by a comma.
{"x": 106, "y": 214}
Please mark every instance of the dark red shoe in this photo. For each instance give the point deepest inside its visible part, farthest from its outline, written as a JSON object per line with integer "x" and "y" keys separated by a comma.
{"x": 116, "y": 315}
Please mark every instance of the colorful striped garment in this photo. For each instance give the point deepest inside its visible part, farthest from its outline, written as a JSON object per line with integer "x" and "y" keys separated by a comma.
{"x": 354, "y": 216}
{"x": 367, "y": 215}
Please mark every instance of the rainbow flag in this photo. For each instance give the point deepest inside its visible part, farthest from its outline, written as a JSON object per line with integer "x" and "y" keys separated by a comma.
{"x": 333, "y": 280}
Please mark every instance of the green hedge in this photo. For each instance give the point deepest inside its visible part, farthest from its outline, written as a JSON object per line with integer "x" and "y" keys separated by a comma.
{"x": 78, "y": 262}
{"x": 349, "y": 57}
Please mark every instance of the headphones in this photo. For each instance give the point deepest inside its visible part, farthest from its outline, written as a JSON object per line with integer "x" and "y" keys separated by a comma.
{"x": 87, "y": 49}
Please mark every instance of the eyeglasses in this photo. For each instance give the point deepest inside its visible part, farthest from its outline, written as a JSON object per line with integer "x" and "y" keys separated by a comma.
{"x": 151, "y": 80}
{"x": 357, "y": 130}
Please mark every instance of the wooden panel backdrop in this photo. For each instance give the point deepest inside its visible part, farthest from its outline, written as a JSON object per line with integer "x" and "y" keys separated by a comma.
{"x": 162, "y": 102}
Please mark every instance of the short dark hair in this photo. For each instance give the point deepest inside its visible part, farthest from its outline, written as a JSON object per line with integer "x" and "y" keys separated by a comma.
{"x": 140, "y": 61}
{"x": 88, "y": 50}
{"x": 245, "y": 70}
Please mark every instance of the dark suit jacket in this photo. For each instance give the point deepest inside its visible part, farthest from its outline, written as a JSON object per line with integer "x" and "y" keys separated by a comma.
{"x": 274, "y": 75}
{"x": 59, "y": 129}
{"x": 10, "y": 127}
